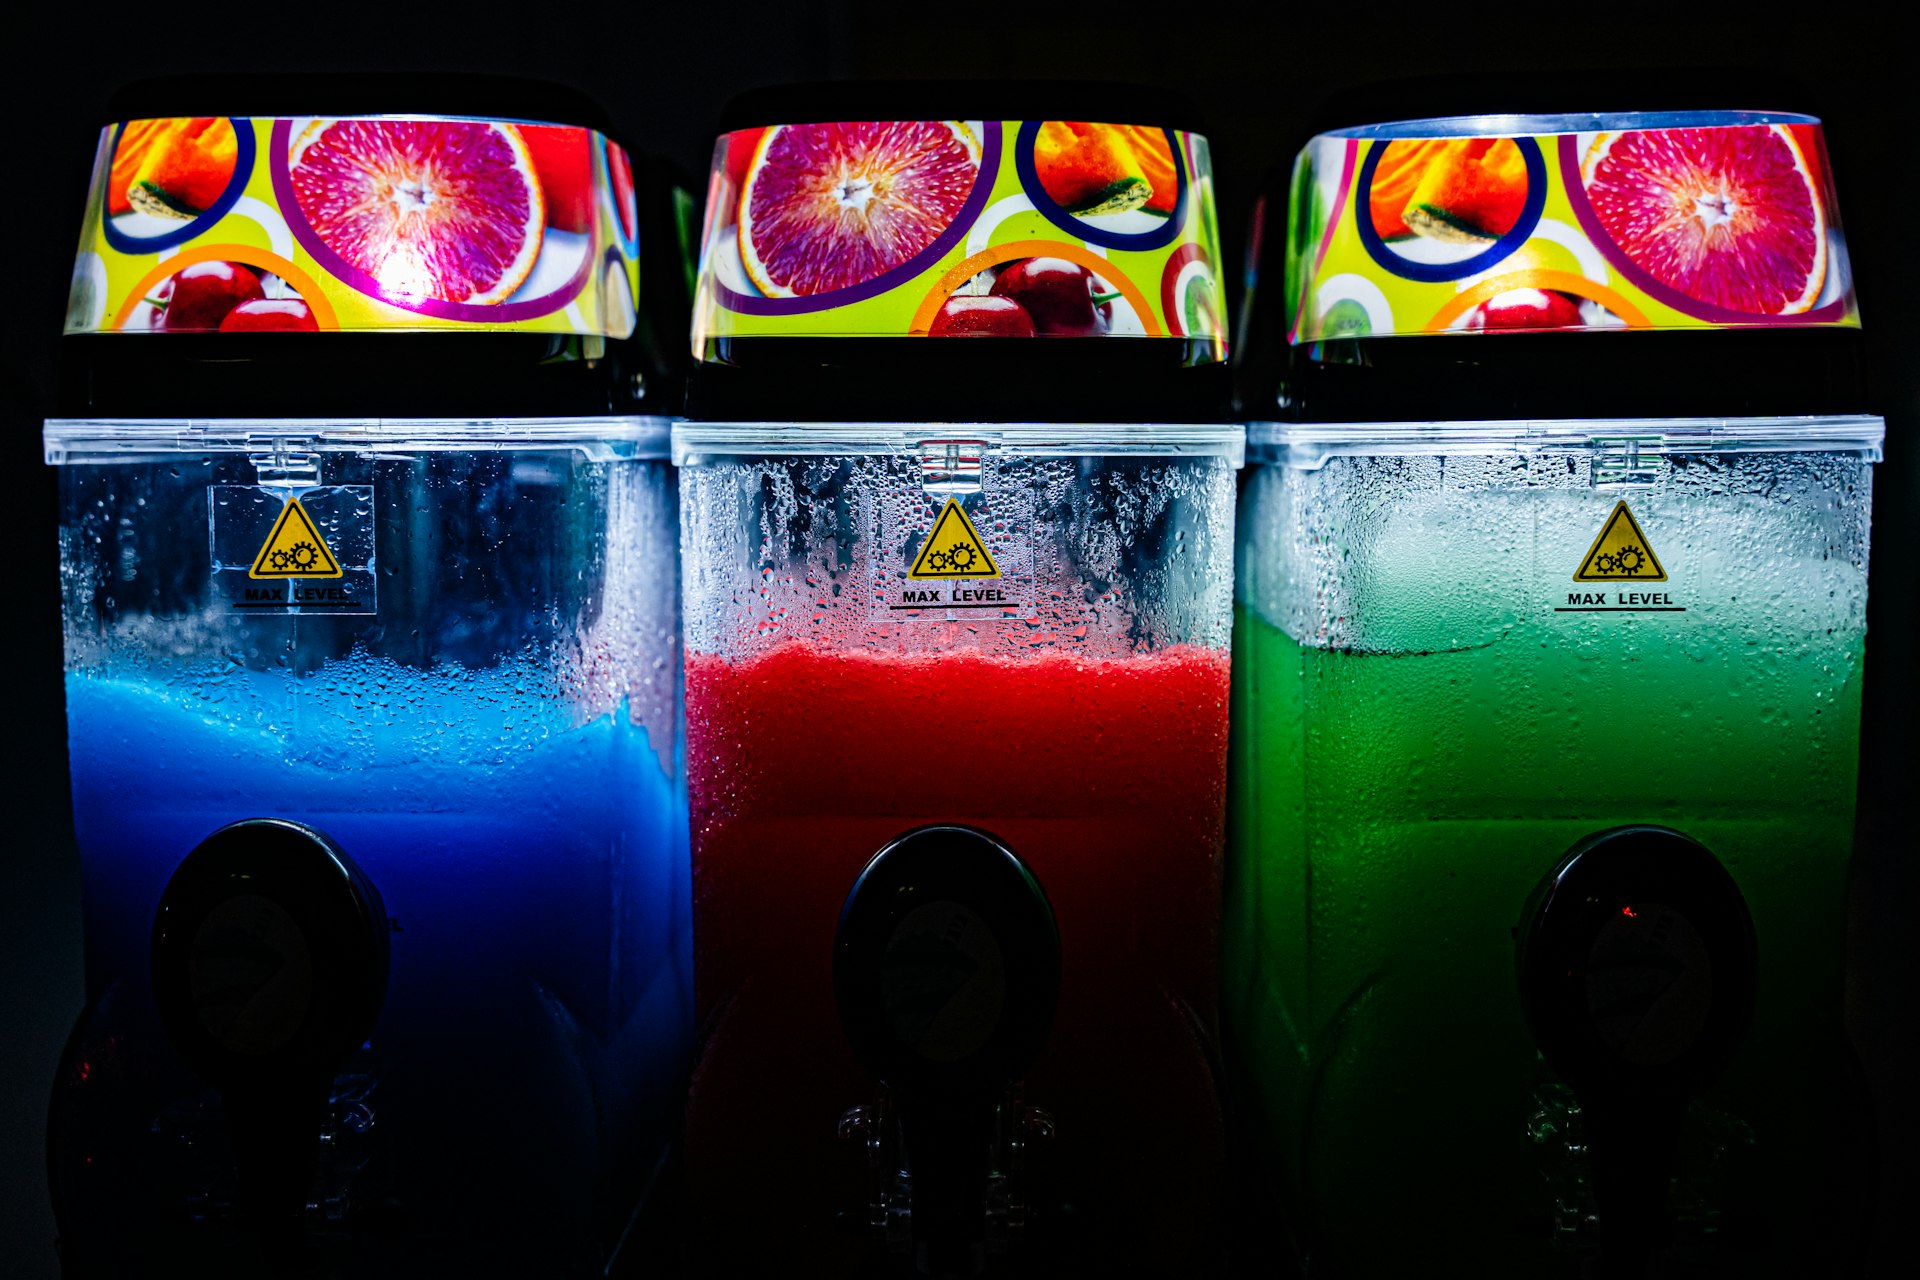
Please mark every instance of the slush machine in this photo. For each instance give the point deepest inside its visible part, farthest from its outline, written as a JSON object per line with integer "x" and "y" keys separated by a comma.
{"x": 370, "y": 602}
{"x": 956, "y": 686}
{"x": 1548, "y": 647}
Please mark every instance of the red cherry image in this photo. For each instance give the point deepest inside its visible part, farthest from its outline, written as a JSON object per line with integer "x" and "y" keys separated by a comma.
{"x": 270, "y": 315}
{"x": 1058, "y": 295}
{"x": 205, "y": 292}
{"x": 1530, "y": 309}
{"x": 964, "y": 316}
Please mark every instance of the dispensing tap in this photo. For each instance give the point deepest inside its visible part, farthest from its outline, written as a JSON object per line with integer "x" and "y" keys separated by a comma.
{"x": 1637, "y": 969}
{"x": 270, "y": 959}
{"x": 946, "y": 973}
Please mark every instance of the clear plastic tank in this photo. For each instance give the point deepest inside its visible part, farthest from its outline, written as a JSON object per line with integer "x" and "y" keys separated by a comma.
{"x": 448, "y": 648}
{"x": 1019, "y": 633}
{"x": 1468, "y": 655}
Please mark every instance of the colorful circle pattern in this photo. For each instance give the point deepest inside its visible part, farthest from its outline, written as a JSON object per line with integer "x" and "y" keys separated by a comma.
{"x": 1436, "y": 272}
{"x": 894, "y": 277}
{"x": 310, "y": 240}
{"x": 1080, "y": 228}
{"x": 236, "y": 186}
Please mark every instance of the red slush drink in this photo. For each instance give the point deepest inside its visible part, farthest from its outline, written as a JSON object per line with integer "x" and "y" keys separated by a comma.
{"x": 1106, "y": 776}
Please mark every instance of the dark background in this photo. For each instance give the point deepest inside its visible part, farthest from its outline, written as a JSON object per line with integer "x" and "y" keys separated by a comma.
{"x": 663, "y": 72}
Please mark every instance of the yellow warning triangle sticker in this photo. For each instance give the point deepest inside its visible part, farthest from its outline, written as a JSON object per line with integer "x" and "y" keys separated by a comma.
{"x": 954, "y": 549}
{"x": 294, "y": 549}
{"x": 1621, "y": 553}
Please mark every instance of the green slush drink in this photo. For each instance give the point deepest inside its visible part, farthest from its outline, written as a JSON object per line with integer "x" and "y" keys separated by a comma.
{"x": 1430, "y": 711}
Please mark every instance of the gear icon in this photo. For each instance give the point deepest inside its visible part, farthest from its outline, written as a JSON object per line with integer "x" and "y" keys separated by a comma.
{"x": 303, "y": 555}
{"x": 938, "y": 560}
{"x": 1606, "y": 562}
{"x": 961, "y": 557}
{"x": 280, "y": 561}
{"x": 1629, "y": 560}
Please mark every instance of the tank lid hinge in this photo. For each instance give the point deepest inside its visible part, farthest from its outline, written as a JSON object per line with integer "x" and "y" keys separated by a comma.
{"x": 284, "y": 461}
{"x": 951, "y": 466}
{"x": 1620, "y": 460}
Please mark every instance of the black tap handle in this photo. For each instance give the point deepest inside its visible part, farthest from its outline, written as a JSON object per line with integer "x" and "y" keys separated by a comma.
{"x": 946, "y": 970}
{"x": 1637, "y": 968}
{"x": 270, "y": 957}
{"x": 946, "y": 965}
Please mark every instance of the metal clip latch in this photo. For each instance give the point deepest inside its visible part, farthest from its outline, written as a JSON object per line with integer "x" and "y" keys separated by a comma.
{"x": 951, "y": 466}
{"x": 1627, "y": 459}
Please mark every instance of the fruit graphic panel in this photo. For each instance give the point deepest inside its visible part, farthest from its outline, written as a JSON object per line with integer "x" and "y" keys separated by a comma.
{"x": 170, "y": 179}
{"x": 1035, "y": 288}
{"x": 357, "y": 223}
{"x": 440, "y": 216}
{"x": 619, "y": 193}
{"x": 959, "y": 229}
{"x": 1447, "y": 209}
{"x": 1443, "y": 202}
{"x": 1119, "y": 186}
{"x": 826, "y": 209}
{"x": 1189, "y": 294}
{"x": 1727, "y": 222}
{"x": 1422, "y": 230}
{"x": 256, "y": 293}
{"x": 815, "y": 217}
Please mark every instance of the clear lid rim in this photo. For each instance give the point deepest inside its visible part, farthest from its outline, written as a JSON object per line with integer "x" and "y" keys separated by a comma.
{"x": 1862, "y": 433}
{"x": 1521, "y": 126}
{"x": 647, "y": 435}
{"x": 693, "y": 440}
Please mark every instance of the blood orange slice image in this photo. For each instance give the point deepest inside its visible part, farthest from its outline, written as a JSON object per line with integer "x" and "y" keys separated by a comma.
{"x": 449, "y": 210}
{"x": 832, "y": 206}
{"x": 1729, "y": 216}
